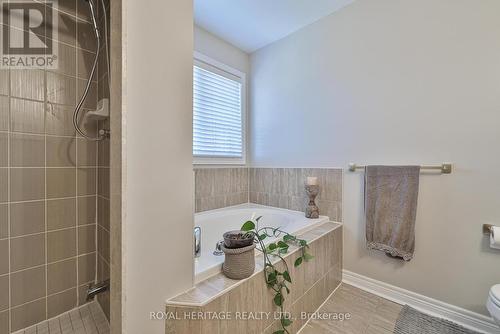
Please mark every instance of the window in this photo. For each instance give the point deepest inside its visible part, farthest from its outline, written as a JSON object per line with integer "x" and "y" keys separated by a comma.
{"x": 218, "y": 113}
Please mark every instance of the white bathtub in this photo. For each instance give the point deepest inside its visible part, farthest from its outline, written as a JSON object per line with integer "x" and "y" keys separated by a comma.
{"x": 215, "y": 222}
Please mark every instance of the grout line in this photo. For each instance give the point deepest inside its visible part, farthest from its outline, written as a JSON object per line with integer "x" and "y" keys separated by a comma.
{"x": 53, "y": 262}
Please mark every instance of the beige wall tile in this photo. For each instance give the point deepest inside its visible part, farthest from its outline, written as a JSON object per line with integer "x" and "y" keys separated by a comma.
{"x": 66, "y": 24}
{"x": 4, "y": 322}
{"x": 86, "y": 268}
{"x": 4, "y": 113}
{"x": 86, "y": 239}
{"x": 86, "y": 181}
{"x": 61, "y": 276}
{"x": 103, "y": 186}
{"x": 66, "y": 59}
{"x": 87, "y": 153}
{"x": 61, "y": 89}
{"x": 28, "y": 314}
{"x": 61, "y": 244}
{"x": 4, "y": 185}
{"x": 103, "y": 153}
{"x": 27, "y": 150}
{"x": 27, "y": 184}
{"x": 4, "y": 221}
{"x": 103, "y": 212}
{"x": 4, "y": 296}
{"x": 103, "y": 243}
{"x": 27, "y": 218}
{"x": 86, "y": 210}
{"x": 27, "y": 251}
{"x": 61, "y": 213}
{"x": 27, "y": 285}
{"x": 86, "y": 39}
{"x": 59, "y": 120}
{"x": 91, "y": 100}
{"x": 27, "y": 116}
{"x": 29, "y": 84}
{"x": 67, "y": 6}
{"x": 61, "y": 182}
{"x": 4, "y": 142}
{"x": 4, "y": 82}
{"x": 61, "y": 302}
{"x": 4, "y": 256}
{"x": 61, "y": 152}
{"x": 85, "y": 60}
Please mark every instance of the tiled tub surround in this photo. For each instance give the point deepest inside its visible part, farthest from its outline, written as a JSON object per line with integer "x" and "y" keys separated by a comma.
{"x": 48, "y": 181}
{"x": 279, "y": 187}
{"x": 217, "y": 188}
{"x": 313, "y": 282}
{"x": 284, "y": 188}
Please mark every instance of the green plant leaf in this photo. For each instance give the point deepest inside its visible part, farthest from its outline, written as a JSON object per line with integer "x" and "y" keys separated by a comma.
{"x": 302, "y": 243}
{"x": 262, "y": 236}
{"x": 271, "y": 278}
{"x": 279, "y": 332}
{"x": 308, "y": 256}
{"x": 283, "y": 250}
{"x": 272, "y": 246}
{"x": 298, "y": 262}
{"x": 286, "y": 322}
{"x": 278, "y": 299}
{"x": 286, "y": 276}
{"x": 281, "y": 244}
{"x": 248, "y": 226}
{"x": 288, "y": 237}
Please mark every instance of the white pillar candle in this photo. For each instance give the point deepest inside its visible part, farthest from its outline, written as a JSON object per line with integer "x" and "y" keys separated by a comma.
{"x": 312, "y": 181}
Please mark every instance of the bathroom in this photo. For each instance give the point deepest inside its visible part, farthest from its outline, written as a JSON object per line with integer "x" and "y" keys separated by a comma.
{"x": 146, "y": 130}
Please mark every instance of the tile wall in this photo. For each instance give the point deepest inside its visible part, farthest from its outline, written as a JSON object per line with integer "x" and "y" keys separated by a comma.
{"x": 103, "y": 187}
{"x": 284, "y": 188}
{"x": 48, "y": 181}
{"x": 220, "y": 187}
{"x": 279, "y": 187}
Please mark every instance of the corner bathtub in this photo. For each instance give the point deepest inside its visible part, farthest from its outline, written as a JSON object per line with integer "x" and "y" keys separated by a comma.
{"x": 214, "y": 223}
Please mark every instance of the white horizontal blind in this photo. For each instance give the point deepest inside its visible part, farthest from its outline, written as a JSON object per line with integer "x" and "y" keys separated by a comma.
{"x": 217, "y": 115}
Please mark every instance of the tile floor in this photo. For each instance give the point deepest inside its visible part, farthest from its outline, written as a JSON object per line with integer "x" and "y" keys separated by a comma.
{"x": 87, "y": 319}
{"x": 370, "y": 314}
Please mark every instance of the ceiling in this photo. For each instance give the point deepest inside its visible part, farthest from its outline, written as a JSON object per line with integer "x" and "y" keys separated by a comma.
{"x": 252, "y": 24}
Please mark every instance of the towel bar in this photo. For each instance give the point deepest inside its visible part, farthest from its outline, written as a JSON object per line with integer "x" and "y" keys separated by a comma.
{"x": 445, "y": 168}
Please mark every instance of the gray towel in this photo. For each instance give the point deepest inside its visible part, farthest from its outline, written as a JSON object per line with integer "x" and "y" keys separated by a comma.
{"x": 391, "y": 194}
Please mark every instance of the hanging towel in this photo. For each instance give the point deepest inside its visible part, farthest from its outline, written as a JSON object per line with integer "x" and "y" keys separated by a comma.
{"x": 391, "y": 194}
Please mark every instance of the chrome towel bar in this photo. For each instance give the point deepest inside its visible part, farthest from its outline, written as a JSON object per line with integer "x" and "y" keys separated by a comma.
{"x": 445, "y": 168}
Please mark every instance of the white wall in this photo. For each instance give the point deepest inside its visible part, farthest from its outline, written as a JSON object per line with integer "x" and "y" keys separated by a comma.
{"x": 396, "y": 82}
{"x": 220, "y": 50}
{"x": 157, "y": 146}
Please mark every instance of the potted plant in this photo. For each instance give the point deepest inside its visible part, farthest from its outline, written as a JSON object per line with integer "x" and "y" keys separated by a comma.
{"x": 277, "y": 280}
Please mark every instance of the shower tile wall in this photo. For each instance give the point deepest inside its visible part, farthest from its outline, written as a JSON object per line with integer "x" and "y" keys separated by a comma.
{"x": 284, "y": 188}
{"x": 103, "y": 188}
{"x": 48, "y": 182}
{"x": 220, "y": 187}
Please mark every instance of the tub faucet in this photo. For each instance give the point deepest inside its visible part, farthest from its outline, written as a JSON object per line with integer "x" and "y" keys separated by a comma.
{"x": 197, "y": 241}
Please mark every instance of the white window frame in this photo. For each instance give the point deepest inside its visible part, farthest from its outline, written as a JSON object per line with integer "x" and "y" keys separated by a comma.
{"x": 215, "y": 66}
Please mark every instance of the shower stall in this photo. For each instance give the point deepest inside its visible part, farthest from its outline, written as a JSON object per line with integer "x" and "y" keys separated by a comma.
{"x": 55, "y": 168}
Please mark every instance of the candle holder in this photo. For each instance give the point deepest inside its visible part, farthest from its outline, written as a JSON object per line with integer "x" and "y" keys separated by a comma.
{"x": 312, "y": 211}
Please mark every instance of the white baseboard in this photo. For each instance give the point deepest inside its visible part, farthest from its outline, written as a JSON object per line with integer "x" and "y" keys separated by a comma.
{"x": 466, "y": 318}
